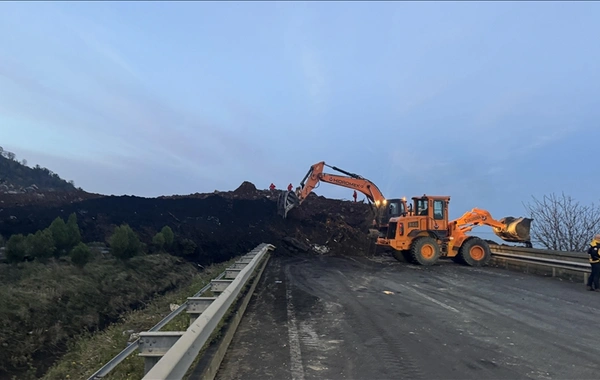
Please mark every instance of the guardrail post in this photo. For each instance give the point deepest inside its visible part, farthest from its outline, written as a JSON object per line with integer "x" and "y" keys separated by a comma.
{"x": 218, "y": 286}
{"x": 153, "y": 345}
{"x": 197, "y": 305}
{"x": 231, "y": 273}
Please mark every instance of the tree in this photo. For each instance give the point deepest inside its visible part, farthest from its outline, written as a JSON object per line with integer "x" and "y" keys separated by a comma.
{"x": 74, "y": 235}
{"x": 124, "y": 242}
{"x": 41, "y": 244}
{"x": 60, "y": 234}
{"x": 562, "y": 224}
{"x": 169, "y": 236}
{"x": 16, "y": 248}
{"x": 10, "y": 155}
{"x": 80, "y": 255}
{"x": 24, "y": 162}
{"x": 158, "y": 241}
{"x": 186, "y": 247}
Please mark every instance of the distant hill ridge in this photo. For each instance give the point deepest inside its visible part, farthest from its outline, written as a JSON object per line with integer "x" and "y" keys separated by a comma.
{"x": 17, "y": 177}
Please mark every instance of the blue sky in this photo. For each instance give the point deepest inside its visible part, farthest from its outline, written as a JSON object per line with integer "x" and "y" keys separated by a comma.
{"x": 489, "y": 102}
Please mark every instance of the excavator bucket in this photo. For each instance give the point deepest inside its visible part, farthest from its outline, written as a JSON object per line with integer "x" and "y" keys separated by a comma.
{"x": 517, "y": 230}
{"x": 287, "y": 201}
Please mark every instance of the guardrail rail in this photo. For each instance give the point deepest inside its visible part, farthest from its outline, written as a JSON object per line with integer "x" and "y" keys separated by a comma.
{"x": 169, "y": 354}
{"x": 571, "y": 265}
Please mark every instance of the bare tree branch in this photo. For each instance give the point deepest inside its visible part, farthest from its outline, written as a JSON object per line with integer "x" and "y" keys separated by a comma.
{"x": 563, "y": 224}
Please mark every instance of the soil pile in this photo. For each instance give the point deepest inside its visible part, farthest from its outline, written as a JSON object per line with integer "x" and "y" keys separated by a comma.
{"x": 222, "y": 224}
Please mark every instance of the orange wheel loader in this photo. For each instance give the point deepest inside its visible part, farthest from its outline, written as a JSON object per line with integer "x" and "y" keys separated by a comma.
{"x": 424, "y": 234}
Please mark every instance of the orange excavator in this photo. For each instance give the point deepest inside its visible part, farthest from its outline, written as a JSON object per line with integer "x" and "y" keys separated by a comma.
{"x": 383, "y": 208}
{"x": 424, "y": 234}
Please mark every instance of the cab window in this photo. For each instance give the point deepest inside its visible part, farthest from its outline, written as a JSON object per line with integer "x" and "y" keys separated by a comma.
{"x": 422, "y": 207}
{"x": 438, "y": 210}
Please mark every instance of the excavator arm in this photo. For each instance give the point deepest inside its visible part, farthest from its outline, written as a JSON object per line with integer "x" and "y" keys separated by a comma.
{"x": 289, "y": 199}
{"x": 509, "y": 229}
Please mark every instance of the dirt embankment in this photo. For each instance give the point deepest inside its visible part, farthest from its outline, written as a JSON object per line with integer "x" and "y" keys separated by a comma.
{"x": 222, "y": 224}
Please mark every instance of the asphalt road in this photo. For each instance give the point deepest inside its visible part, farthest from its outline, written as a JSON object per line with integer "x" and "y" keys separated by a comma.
{"x": 342, "y": 318}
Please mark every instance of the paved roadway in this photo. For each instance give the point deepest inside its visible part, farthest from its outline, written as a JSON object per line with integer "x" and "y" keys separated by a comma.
{"x": 342, "y": 318}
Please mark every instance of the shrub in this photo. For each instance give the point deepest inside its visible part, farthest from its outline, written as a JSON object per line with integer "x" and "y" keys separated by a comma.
{"x": 124, "y": 242}
{"x": 80, "y": 255}
{"x": 16, "y": 248}
{"x": 74, "y": 235}
{"x": 41, "y": 244}
{"x": 158, "y": 241}
{"x": 60, "y": 234}
{"x": 169, "y": 236}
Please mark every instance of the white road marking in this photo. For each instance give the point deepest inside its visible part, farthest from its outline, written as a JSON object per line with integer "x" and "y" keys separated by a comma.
{"x": 294, "y": 338}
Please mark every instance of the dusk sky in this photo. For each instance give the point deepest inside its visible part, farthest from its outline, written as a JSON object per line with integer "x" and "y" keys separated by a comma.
{"x": 489, "y": 102}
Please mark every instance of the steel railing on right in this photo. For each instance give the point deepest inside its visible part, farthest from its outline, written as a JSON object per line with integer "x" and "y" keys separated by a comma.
{"x": 572, "y": 265}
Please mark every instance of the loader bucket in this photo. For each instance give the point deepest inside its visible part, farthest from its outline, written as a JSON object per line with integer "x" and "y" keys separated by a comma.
{"x": 287, "y": 201}
{"x": 517, "y": 230}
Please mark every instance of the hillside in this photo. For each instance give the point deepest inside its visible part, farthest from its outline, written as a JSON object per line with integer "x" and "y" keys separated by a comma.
{"x": 23, "y": 185}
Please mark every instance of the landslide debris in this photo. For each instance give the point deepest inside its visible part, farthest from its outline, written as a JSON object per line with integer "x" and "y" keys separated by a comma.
{"x": 222, "y": 224}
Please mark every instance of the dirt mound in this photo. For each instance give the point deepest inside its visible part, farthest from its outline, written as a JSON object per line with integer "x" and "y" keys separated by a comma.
{"x": 222, "y": 224}
{"x": 246, "y": 189}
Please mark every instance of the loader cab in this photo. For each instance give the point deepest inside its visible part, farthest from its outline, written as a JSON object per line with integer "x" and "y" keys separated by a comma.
{"x": 396, "y": 207}
{"x": 433, "y": 211}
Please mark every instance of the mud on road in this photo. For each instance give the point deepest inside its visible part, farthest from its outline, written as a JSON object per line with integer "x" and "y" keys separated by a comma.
{"x": 357, "y": 318}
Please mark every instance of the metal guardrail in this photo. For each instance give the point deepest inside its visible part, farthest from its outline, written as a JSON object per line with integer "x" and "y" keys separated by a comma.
{"x": 133, "y": 346}
{"x": 170, "y": 355}
{"x": 559, "y": 262}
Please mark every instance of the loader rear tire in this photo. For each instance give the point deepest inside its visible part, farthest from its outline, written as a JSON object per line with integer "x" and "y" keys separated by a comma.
{"x": 475, "y": 252}
{"x": 403, "y": 256}
{"x": 425, "y": 250}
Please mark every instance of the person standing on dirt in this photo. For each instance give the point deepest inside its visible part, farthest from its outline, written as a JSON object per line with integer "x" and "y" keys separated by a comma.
{"x": 593, "y": 283}
{"x": 354, "y": 195}
{"x": 290, "y": 187}
{"x": 272, "y": 187}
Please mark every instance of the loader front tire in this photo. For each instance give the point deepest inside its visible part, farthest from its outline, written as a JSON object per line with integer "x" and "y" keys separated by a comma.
{"x": 425, "y": 250}
{"x": 475, "y": 252}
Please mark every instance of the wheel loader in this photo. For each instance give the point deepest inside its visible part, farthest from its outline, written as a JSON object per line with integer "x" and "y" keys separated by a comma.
{"x": 383, "y": 209}
{"x": 424, "y": 234}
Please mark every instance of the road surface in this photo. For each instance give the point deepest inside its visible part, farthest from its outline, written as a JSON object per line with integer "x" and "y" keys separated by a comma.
{"x": 345, "y": 318}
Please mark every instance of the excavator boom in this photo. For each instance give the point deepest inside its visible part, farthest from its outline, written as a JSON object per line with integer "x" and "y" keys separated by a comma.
{"x": 289, "y": 199}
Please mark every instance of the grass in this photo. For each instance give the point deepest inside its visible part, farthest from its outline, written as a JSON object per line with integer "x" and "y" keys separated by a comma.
{"x": 90, "y": 352}
{"x": 45, "y": 306}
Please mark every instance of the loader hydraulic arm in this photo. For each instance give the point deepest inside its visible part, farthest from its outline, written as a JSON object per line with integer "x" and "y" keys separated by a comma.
{"x": 473, "y": 218}
{"x": 516, "y": 230}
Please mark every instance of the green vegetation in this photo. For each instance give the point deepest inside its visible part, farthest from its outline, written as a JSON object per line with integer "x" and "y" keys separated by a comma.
{"x": 124, "y": 243}
{"x": 55, "y": 288}
{"x": 55, "y": 241}
{"x": 91, "y": 351}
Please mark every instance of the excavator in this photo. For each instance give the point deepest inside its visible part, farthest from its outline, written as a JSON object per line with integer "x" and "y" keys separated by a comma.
{"x": 383, "y": 209}
{"x": 424, "y": 233}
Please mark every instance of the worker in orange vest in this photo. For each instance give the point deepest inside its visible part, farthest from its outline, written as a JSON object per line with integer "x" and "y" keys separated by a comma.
{"x": 290, "y": 187}
{"x": 354, "y": 195}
